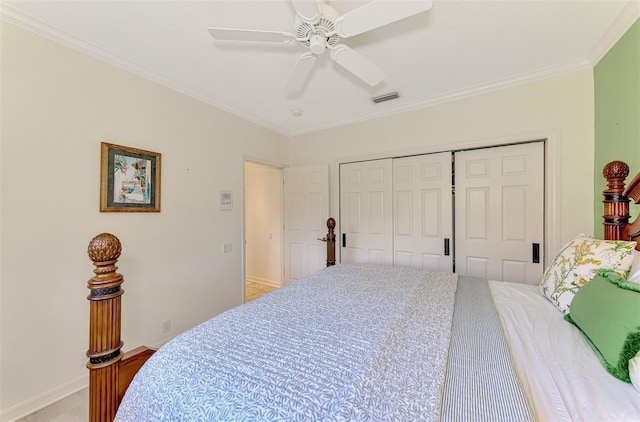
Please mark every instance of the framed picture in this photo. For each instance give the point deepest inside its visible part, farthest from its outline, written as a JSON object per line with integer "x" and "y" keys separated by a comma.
{"x": 129, "y": 179}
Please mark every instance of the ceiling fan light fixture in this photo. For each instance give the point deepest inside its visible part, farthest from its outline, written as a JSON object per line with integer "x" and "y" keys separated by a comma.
{"x": 317, "y": 44}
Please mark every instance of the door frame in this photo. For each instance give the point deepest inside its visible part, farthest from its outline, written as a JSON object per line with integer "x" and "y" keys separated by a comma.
{"x": 243, "y": 252}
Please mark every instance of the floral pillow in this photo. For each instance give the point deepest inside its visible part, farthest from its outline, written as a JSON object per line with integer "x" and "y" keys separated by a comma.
{"x": 577, "y": 262}
{"x": 634, "y": 275}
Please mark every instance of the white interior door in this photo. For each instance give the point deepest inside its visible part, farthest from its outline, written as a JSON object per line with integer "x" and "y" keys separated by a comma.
{"x": 306, "y": 210}
{"x": 423, "y": 213}
{"x": 499, "y": 203}
{"x": 366, "y": 212}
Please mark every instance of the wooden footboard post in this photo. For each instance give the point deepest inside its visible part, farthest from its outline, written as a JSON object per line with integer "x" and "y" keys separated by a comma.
{"x": 331, "y": 242}
{"x": 616, "y": 205}
{"x": 104, "y": 327}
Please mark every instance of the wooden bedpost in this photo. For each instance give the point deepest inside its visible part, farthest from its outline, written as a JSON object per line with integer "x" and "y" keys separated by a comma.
{"x": 616, "y": 205}
{"x": 331, "y": 242}
{"x": 104, "y": 328}
{"x": 633, "y": 193}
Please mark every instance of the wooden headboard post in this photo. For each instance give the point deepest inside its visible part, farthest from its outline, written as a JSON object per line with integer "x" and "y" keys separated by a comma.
{"x": 632, "y": 192}
{"x": 331, "y": 242}
{"x": 616, "y": 205}
{"x": 104, "y": 327}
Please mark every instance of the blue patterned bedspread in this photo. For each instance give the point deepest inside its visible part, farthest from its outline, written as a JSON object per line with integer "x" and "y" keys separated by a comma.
{"x": 351, "y": 342}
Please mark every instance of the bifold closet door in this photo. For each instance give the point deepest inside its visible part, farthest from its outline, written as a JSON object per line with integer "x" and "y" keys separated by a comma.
{"x": 499, "y": 212}
{"x": 366, "y": 212}
{"x": 423, "y": 213}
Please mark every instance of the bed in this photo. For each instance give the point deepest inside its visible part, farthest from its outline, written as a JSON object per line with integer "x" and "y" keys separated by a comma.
{"x": 362, "y": 342}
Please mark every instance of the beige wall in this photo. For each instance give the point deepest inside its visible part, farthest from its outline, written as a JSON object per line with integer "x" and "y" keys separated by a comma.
{"x": 558, "y": 109}
{"x": 57, "y": 106}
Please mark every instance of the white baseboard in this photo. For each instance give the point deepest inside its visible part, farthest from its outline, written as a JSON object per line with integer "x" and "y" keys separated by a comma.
{"x": 47, "y": 398}
{"x": 264, "y": 281}
{"x": 43, "y": 400}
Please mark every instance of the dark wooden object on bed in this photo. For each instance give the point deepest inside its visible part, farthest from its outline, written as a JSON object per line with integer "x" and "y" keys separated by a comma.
{"x": 331, "y": 242}
{"x": 110, "y": 371}
{"x": 616, "y": 203}
{"x": 633, "y": 193}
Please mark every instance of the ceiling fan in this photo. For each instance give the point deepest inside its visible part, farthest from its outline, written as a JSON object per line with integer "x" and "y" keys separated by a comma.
{"x": 318, "y": 27}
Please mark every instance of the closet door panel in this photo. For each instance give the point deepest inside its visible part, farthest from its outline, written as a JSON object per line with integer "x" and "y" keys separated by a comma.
{"x": 423, "y": 211}
{"x": 403, "y": 209}
{"x": 499, "y": 199}
{"x": 514, "y": 201}
{"x": 477, "y": 213}
{"x": 431, "y": 206}
{"x": 366, "y": 212}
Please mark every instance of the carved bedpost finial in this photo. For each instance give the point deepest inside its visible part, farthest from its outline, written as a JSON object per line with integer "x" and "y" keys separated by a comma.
{"x": 104, "y": 327}
{"x": 331, "y": 242}
{"x": 615, "y": 172}
{"x": 104, "y": 250}
{"x": 616, "y": 205}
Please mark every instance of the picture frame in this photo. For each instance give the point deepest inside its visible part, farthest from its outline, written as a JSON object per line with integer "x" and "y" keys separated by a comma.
{"x": 129, "y": 179}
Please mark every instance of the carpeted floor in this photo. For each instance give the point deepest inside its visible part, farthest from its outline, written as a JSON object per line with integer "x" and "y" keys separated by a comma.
{"x": 74, "y": 408}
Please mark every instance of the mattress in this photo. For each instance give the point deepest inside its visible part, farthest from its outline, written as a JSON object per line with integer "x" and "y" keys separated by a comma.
{"x": 560, "y": 372}
{"x": 370, "y": 343}
{"x": 350, "y": 342}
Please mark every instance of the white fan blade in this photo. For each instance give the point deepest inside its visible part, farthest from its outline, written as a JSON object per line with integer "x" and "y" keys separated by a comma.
{"x": 378, "y": 13}
{"x": 307, "y": 10}
{"x": 226, "y": 34}
{"x": 301, "y": 72}
{"x": 357, "y": 64}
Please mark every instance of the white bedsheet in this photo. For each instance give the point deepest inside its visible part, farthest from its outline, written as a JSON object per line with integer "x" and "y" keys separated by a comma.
{"x": 560, "y": 372}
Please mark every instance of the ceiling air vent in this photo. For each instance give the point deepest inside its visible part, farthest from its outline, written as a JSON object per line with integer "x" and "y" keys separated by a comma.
{"x": 385, "y": 97}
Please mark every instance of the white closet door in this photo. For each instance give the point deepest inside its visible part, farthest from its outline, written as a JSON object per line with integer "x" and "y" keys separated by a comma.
{"x": 366, "y": 212}
{"x": 306, "y": 210}
{"x": 499, "y": 203}
{"x": 423, "y": 212}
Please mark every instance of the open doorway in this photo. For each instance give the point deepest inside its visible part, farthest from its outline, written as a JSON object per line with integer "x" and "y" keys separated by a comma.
{"x": 263, "y": 229}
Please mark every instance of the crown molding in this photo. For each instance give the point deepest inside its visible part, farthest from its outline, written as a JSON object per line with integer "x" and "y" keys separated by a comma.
{"x": 471, "y": 91}
{"x": 618, "y": 28}
{"x": 22, "y": 20}
{"x": 621, "y": 24}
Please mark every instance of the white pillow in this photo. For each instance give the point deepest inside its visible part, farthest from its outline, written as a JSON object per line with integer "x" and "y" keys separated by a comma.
{"x": 634, "y": 275}
{"x": 577, "y": 262}
{"x": 634, "y": 370}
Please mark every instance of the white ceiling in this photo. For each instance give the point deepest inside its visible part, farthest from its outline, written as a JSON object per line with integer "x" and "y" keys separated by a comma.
{"x": 455, "y": 49}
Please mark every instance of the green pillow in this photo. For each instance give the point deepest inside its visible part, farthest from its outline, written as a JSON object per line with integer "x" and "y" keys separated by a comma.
{"x": 609, "y": 317}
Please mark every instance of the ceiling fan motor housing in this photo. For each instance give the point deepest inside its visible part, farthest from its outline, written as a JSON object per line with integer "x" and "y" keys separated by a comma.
{"x": 314, "y": 36}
